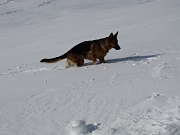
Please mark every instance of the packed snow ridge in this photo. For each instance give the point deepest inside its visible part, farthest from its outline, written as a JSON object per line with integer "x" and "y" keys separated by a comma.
{"x": 156, "y": 115}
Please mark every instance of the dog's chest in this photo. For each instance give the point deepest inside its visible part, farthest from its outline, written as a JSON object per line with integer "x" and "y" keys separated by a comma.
{"x": 100, "y": 52}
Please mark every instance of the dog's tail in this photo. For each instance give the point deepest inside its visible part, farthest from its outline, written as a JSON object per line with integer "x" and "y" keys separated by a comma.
{"x": 56, "y": 59}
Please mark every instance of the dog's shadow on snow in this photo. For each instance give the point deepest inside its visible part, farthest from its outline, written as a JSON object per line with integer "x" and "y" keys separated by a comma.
{"x": 132, "y": 58}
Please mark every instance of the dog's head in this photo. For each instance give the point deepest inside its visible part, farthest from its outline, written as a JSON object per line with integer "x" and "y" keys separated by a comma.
{"x": 113, "y": 42}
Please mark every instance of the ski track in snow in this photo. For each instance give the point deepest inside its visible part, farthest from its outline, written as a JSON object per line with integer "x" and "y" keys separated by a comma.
{"x": 19, "y": 10}
{"x": 134, "y": 60}
{"x": 25, "y": 69}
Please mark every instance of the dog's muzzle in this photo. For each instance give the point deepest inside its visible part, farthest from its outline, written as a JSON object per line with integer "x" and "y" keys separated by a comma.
{"x": 117, "y": 47}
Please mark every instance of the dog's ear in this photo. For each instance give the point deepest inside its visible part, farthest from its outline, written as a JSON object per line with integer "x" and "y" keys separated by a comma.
{"x": 116, "y": 34}
{"x": 111, "y": 36}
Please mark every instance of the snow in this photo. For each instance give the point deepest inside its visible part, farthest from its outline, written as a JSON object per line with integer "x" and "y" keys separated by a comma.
{"x": 135, "y": 92}
{"x": 79, "y": 127}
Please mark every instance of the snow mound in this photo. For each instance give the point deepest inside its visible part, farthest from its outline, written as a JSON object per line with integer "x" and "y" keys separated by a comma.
{"x": 156, "y": 115}
{"x": 79, "y": 127}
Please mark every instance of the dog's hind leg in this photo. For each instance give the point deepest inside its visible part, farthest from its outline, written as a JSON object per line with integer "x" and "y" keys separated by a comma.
{"x": 69, "y": 63}
{"x": 75, "y": 60}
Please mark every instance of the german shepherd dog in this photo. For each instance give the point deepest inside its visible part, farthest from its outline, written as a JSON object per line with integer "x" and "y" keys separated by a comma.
{"x": 91, "y": 50}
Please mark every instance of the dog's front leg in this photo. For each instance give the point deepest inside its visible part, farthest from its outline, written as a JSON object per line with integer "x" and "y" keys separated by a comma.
{"x": 94, "y": 60}
{"x": 93, "y": 57}
{"x": 102, "y": 60}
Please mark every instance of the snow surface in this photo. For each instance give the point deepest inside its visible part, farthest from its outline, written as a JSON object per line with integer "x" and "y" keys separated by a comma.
{"x": 136, "y": 92}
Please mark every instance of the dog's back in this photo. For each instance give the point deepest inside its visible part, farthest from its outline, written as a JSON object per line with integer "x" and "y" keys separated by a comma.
{"x": 81, "y": 48}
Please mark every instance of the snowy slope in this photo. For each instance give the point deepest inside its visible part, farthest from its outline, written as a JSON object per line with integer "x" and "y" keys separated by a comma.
{"x": 135, "y": 92}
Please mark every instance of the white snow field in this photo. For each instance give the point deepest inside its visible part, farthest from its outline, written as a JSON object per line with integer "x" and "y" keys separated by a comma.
{"x": 137, "y": 92}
